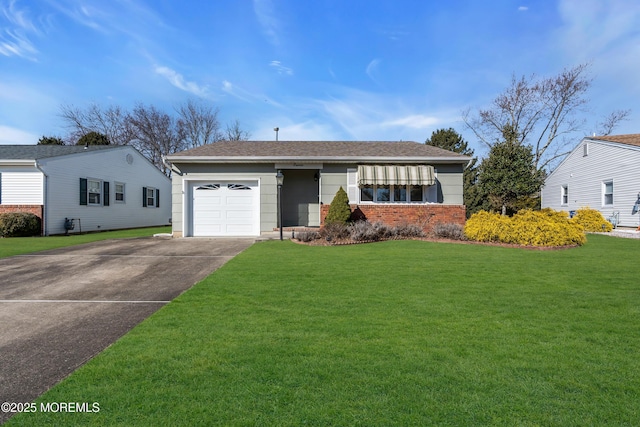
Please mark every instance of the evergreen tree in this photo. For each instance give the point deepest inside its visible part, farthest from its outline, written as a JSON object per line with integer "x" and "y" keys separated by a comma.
{"x": 339, "y": 210}
{"x": 451, "y": 140}
{"x": 509, "y": 175}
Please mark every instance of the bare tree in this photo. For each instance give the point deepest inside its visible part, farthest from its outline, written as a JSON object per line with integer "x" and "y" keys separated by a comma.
{"x": 611, "y": 121}
{"x": 543, "y": 112}
{"x": 156, "y": 134}
{"x": 235, "y": 133}
{"x": 110, "y": 121}
{"x": 198, "y": 123}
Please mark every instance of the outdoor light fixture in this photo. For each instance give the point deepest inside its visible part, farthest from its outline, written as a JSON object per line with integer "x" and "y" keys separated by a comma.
{"x": 280, "y": 181}
{"x": 316, "y": 176}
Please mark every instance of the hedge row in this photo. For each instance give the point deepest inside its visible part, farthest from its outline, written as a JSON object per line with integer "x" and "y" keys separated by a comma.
{"x": 19, "y": 224}
{"x": 532, "y": 228}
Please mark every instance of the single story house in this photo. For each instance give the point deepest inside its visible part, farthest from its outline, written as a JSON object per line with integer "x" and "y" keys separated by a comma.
{"x": 229, "y": 188}
{"x": 100, "y": 187}
{"x": 601, "y": 172}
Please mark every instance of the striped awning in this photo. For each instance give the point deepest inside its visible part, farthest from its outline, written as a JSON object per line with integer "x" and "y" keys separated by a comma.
{"x": 395, "y": 175}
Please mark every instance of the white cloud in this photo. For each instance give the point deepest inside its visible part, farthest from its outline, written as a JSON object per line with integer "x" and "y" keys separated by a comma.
{"x": 247, "y": 96}
{"x": 523, "y": 8}
{"x": 372, "y": 68}
{"x": 10, "y": 135}
{"x": 415, "y": 121}
{"x": 178, "y": 81}
{"x": 266, "y": 16}
{"x": 16, "y": 25}
{"x": 281, "y": 69}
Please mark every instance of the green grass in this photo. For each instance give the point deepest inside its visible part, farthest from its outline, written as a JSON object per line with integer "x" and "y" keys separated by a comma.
{"x": 394, "y": 333}
{"x": 11, "y": 246}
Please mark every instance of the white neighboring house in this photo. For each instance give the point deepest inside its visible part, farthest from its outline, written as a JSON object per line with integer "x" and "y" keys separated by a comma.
{"x": 100, "y": 187}
{"x": 602, "y": 173}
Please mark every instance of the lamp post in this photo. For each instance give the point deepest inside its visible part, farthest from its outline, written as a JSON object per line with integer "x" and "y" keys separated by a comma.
{"x": 280, "y": 181}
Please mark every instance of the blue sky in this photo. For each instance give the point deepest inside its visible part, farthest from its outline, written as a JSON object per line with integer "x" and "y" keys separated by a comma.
{"x": 319, "y": 70}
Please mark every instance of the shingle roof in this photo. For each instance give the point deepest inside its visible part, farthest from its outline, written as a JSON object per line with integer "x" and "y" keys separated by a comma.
{"x": 630, "y": 139}
{"x": 35, "y": 152}
{"x": 316, "y": 151}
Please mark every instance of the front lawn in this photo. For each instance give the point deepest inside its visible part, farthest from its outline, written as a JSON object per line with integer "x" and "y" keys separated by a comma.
{"x": 10, "y": 246}
{"x": 393, "y": 333}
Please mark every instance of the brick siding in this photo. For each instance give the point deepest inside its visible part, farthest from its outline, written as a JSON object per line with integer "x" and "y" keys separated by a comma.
{"x": 34, "y": 209}
{"x": 396, "y": 214}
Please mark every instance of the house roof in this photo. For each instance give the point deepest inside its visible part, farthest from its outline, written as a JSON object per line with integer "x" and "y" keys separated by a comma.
{"x": 35, "y": 152}
{"x": 629, "y": 139}
{"x": 317, "y": 151}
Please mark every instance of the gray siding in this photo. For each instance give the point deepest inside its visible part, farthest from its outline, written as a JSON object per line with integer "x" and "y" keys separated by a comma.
{"x": 584, "y": 177}
{"x": 62, "y": 191}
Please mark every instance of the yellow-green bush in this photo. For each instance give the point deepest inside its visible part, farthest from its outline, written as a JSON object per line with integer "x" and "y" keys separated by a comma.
{"x": 485, "y": 226}
{"x": 532, "y": 228}
{"x": 591, "y": 220}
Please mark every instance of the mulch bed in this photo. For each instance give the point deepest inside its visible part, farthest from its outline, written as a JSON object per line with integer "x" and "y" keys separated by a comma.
{"x": 323, "y": 242}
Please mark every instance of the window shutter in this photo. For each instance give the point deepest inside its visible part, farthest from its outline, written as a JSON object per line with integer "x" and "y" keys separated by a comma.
{"x": 157, "y": 198}
{"x": 83, "y": 191}
{"x": 105, "y": 201}
{"x": 144, "y": 197}
{"x": 352, "y": 185}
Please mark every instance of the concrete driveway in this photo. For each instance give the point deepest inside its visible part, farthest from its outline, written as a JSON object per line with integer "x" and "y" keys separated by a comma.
{"x": 60, "y": 308}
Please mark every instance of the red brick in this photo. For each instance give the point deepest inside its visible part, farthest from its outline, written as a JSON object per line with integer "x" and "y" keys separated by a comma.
{"x": 424, "y": 215}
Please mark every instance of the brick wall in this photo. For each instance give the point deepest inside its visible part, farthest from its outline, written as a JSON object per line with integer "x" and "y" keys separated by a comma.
{"x": 396, "y": 214}
{"x": 34, "y": 209}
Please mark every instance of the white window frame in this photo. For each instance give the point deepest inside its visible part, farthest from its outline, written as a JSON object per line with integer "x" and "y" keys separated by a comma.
{"x": 605, "y": 194}
{"x": 564, "y": 195}
{"x": 151, "y": 204}
{"x": 99, "y": 192}
{"x": 392, "y": 194}
{"x": 116, "y": 192}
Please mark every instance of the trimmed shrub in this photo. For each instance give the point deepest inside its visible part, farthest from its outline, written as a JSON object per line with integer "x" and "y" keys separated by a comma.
{"x": 591, "y": 220}
{"x": 307, "y": 236}
{"x": 485, "y": 226}
{"x": 335, "y": 231}
{"x": 19, "y": 224}
{"x": 363, "y": 231}
{"x": 527, "y": 227}
{"x": 544, "y": 228}
{"x": 339, "y": 210}
{"x": 448, "y": 231}
{"x": 409, "y": 231}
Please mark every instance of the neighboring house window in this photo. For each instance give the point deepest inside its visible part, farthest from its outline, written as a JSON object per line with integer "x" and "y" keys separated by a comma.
{"x": 119, "y": 192}
{"x": 94, "y": 192}
{"x": 150, "y": 197}
{"x": 607, "y": 193}
{"x": 565, "y": 195}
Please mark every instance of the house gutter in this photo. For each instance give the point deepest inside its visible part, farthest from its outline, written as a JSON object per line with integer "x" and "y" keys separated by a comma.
{"x": 45, "y": 205}
{"x": 171, "y": 166}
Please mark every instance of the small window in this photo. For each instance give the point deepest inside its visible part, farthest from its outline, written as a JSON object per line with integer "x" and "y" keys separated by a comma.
{"x": 119, "y": 190}
{"x": 94, "y": 192}
{"x": 209, "y": 187}
{"x": 238, "y": 187}
{"x": 366, "y": 193}
{"x": 565, "y": 195}
{"x": 607, "y": 193}
{"x": 151, "y": 197}
{"x": 585, "y": 150}
{"x": 416, "y": 193}
{"x": 383, "y": 193}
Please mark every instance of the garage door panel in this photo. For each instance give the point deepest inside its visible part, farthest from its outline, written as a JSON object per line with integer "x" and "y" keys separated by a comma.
{"x": 221, "y": 209}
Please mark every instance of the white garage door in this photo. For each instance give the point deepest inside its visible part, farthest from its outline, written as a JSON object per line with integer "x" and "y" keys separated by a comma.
{"x": 226, "y": 209}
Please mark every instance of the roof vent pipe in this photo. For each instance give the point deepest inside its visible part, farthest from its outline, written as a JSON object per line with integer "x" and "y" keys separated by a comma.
{"x": 276, "y": 129}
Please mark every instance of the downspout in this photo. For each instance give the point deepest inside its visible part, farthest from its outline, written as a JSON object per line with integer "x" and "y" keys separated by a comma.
{"x": 45, "y": 205}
